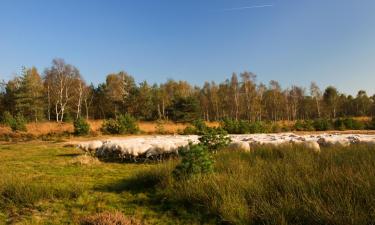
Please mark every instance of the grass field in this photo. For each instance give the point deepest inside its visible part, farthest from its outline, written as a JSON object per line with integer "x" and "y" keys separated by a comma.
{"x": 44, "y": 183}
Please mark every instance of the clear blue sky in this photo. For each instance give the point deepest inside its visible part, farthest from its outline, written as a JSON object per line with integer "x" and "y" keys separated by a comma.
{"x": 292, "y": 41}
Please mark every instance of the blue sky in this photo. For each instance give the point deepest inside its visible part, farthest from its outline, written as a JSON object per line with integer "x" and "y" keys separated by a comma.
{"x": 292, "y": 41}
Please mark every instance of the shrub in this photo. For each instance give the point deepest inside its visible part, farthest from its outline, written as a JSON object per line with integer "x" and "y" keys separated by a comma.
{"x": 18, "y": 123}
{"x": 195, "y": 159}
{"x": 159, "y": 128}
{"x": 304, "y": 125}
{"x": 6, "y": 118}
{"x": 339, "y": 124}
{"x": 371, "y": 125}
{"x": 353, "y": 124}
{"x": 81, "y": 127}
{"x": 215, "y": 139}
{"x": 322, "y": 125}
{"x": 198, "y": 127}
{"x": 124, "y": 124}
{"x": 108, "y": 218}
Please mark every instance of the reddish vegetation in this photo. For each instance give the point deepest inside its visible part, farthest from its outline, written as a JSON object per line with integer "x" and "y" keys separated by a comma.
{"x": 108, "y": 218}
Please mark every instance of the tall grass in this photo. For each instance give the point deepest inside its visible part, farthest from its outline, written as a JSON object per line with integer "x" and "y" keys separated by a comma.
{"x": 25, "y": 192}
{"x": 288, "y": 185}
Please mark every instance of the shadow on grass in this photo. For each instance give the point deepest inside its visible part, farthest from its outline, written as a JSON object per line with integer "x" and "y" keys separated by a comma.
{"x": 149, "y": 183}
{"x": 70, "y": 155}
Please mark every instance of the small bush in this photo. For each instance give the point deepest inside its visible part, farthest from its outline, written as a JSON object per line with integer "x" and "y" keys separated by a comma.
{"x": 339, "y": 124}
{"x": 81, "y": 127}
{"x": 18, "y": 123}
{"x": 108, "y": 218}
{"x": 6, "y": 118}
{"x": 371, "y": 124}
{"x": 353, "y": 124}
{"x": 159, "y": 128}
{"x": 304, "y": 125}
{"x": 195, "y": 159}
{"x": 322, "y": 125}
{"x": 215, "y": 139}
{"x": 198, "y": 127}
{"x": 124, "y": 124}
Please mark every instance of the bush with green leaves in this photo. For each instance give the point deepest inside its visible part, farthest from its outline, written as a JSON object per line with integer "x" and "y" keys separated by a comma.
{"x": 17, "y": 123}
{"x": 214, "y": 139}
{"x": 124, "y": 124}
{"x": 6, "y": 118}
{"x": 371, "y": 124}
{"x": 246, "y": 127}
{"x": 304, "y": 125}
{"x": 198, "y": 127}
{"x": 81, "y": 127}
{"x": 195, "y": 159}
{"x": 322, "y": 124}
{"x": 353, "y": 124}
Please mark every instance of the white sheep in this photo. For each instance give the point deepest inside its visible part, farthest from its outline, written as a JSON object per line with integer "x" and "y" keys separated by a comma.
{"x": 239, "y": 146}
{"x": 313, "y": 145}
{"x": 329, "y": 141}
{"x": 90, "y": 146}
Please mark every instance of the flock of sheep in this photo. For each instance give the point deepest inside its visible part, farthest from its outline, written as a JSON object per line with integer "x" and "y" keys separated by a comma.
{"x": 158, "y": 147}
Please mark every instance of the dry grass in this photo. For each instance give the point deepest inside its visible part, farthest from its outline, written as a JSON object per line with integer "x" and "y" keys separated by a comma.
{"x": 44, "y": 128}
{"x": 85, "y": 160}
{"x": 108, "y": 218}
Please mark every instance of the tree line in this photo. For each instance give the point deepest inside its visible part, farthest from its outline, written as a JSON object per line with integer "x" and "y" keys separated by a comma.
{"x": 61, "y": 94}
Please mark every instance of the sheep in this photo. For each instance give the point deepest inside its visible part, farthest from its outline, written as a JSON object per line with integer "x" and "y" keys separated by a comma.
{"x": 329, "y": 141}
{"x": 239, "y": 146}
{"x": 90, "y": 146}
{"x": 313, "y": 145}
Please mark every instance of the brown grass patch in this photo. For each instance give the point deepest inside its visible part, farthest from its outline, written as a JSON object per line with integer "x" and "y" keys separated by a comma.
{"x": 108, "y": 218}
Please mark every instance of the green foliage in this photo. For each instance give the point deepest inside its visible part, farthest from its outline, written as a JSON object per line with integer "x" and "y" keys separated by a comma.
{"x": 322, "y": 124}
{"x": 246, "y": 127}
{"x": 304, "y": 125}
{"x": 371, "y": 125}
{"x": 348, "y": 124}
{"x": 215, "y": 139}
{"x": 339, "y": 124}
{"x": 6, "y": 118}
{"x": 353, "y": 124}
{"x": 184, "y": 109}
{"x": 195, "y": 159}
{"x": 160, "y": 129}
{"x": 81, "y": 127}
{"x": 17, "y": 123}
{"x": 198, "y": 127}
{"x": 124, "y": 124}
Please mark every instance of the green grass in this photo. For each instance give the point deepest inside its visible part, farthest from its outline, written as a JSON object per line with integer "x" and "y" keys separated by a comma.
{"x": 40, "y": 185}
{"x": 290, "y": 185}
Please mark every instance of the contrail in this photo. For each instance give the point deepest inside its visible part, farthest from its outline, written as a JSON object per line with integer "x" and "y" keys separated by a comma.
{"x": 248, "y": 7}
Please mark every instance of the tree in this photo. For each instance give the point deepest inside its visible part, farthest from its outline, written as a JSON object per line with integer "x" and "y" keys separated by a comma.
{"x": 118, "y": 89}
{"x": 29, "y": 97}
{"x": 316, "y": 94}
{"x": 59, "y": 80}
{"x": 249, "y": 90}
{"x": 184, "y": 109}
{"x": 330, "y": 97}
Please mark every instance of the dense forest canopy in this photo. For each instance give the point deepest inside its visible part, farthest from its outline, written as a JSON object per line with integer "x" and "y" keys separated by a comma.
{"x": 60, "y": 94}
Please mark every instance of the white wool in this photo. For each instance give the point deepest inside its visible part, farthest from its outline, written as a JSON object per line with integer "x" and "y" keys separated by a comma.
{"x": 239, "y": 146}
{"x": 90, "y": 146}
{"x": 313, "y": 145}
{"x": 329, "y": 141}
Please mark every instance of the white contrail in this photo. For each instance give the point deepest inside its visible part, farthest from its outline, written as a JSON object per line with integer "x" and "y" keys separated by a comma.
{"x": 248, "y": 7}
